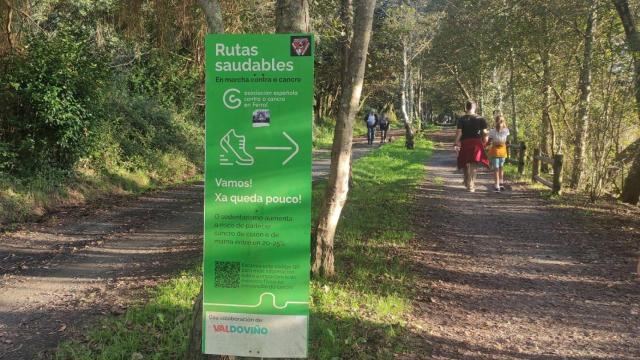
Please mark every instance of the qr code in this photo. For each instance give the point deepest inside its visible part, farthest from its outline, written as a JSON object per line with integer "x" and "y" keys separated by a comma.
{"x": 227, "y": 274}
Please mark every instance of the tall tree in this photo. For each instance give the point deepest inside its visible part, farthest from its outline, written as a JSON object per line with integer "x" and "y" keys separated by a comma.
{"x": 582, "y": 125}
{"x": 631, "y": 190}
{"x": 337, "y": 189}
{"x": 213, "y": 16}
{"x": 405, "y": 95}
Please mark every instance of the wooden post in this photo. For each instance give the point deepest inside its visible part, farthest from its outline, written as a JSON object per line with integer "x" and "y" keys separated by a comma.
{"x": 558, "y": 159}
{"x": 521, "y": 157}
{"x": 536, "y": 164}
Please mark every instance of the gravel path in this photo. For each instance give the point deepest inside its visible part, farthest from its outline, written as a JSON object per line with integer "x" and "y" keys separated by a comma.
{"x": 513, "y": 276}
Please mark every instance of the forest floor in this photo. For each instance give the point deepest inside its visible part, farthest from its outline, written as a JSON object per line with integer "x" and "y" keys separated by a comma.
{"x": 516, "y": 275}
{"x": 79, "y": 263}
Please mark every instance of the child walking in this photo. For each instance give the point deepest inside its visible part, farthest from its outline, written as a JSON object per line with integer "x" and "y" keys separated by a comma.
{"x": 498, "y": 151}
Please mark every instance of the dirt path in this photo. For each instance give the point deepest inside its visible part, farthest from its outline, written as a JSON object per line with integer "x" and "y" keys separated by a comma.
{"x": 84, "y": 262}
{"x": 322, "y": 157}
{"x": 510, "y": 276}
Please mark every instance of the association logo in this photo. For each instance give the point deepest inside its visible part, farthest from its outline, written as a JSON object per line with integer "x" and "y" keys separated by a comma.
{"x": 230, "y": 99}
{"x": 301, "y": 46}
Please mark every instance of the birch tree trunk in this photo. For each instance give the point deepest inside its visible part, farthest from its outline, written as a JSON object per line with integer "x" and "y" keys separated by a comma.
{"x": 337, "y": 189}
{"x": 631, "y": 190}
{"x": 409, "y": 142}
{"x": 582, "y": 125}
{"x": 411, "y": 96}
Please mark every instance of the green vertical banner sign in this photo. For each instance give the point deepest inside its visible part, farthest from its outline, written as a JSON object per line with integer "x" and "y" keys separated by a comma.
{"x": 259, "y": 98}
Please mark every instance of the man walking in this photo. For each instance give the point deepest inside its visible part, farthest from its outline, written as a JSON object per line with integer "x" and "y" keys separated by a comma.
{"x": 384, "y": 127}
{"x": 371, "y": 119}
{"x": 471, "y": 136}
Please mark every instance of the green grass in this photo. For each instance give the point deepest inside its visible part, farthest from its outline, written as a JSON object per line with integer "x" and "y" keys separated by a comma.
{"x": 155, "y": 330}
{"x": 511, "y": 173}
{"x": 361, "y": 314}
{"x": 323, "y": 132}
{"x": 323, "y": 135}
{"x": 28, "y": 195}
{"x": 26, "y": 199}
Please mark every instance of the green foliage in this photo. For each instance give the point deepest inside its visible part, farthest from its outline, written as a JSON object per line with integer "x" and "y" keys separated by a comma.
{"x": 141, "y": 131}
{"x": 88, "y": 108}
{"x": 323, "y": 134}
{"x": 49, "y": 98}
{"x": 361, "y": 314}
{"x": 166, "y": 77}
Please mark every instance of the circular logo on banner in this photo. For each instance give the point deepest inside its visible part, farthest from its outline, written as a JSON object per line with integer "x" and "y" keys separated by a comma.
{"x": 230, "y": 100}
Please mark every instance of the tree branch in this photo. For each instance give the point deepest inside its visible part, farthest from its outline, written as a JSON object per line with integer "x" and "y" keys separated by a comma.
{"x": 622, "y": 6}
{"x": 454, "y": 71}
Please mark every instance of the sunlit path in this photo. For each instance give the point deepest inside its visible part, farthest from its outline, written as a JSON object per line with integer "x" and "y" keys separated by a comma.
{"x": 507, "y": 276}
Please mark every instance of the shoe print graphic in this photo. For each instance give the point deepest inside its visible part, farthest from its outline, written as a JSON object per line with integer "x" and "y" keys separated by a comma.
{"x": 234, "y": 148}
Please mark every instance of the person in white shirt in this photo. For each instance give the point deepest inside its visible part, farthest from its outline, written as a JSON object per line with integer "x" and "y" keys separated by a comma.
{"x": 371, "y": 119}
{"x": 498, "y": 151}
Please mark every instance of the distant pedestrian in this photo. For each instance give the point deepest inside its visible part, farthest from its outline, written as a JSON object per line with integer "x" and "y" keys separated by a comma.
{"x": 371, "y": 119}
{"x": 384, "y": 127}
{"x": 471, "y": 136}
{"x": 498, "y": 151}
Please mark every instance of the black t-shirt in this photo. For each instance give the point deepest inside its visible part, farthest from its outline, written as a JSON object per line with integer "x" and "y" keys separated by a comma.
{"x": 471, "y": 126}
{"x": 384, "y": 124}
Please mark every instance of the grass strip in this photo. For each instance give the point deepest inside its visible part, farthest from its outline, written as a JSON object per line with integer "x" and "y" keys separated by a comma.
{"x": 360, "y": 314}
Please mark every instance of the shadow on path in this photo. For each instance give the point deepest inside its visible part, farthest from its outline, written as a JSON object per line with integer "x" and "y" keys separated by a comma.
{"x": 507, "y": 276}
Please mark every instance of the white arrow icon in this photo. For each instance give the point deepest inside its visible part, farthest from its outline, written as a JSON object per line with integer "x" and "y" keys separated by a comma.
{"x": 295, "y": 148}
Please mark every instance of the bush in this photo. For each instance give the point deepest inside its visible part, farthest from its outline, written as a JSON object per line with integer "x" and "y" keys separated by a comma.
{"x": 141, "y": 133}
{"x": 48, "y": 102}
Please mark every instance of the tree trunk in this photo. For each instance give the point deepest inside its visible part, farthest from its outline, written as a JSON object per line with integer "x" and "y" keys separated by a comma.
{"x": 512, "y": 91}
{"x": 419, "y": 102}
{"x": 411, "y": 96}
{"x": 631, "y": 190}
{"x": 480, "y": 109}
{"x": 292, "y": 16}
{"x": 337, "y": 189}
{"x": 213, "y": 15}
{"x": 582, "y": 125}
{"x": 346, "y": 15}
{"x": 404, "y": 97}
{"x": 546, "y": 105}
{"x": 497, "y": 84}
